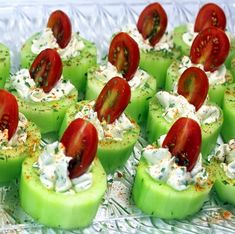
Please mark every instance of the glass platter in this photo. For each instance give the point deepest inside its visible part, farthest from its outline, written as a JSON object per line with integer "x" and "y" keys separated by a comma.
{"x": 97, "y": 21}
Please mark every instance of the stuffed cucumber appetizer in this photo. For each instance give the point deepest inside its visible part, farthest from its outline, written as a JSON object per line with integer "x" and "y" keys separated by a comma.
{"x": 117, "y": 134}
{"x": 221, "y": 168}
{"x": 228, "y": 129}
{"x": 143, "y": 86}
{"x": 211, "y": 62}
{"x": 171, "y": 182}
{"x": 156, "y": 46}
{"x": 18, "y": 138}
{"x": 166, "y": 107}
{"x": 77, "y": 54}
{"x": 4, "y": 64}
{"x": 209, "y": 15}
{"x": 64, "y": 185}
{"x": 42, "y": 93}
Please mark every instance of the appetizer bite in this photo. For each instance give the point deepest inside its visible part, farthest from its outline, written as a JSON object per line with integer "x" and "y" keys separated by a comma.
{"x": 4, "y": 65}
{"x": 165, "y": 108}
{"x": 117, "y": 134}
{"x": 123, "y": 61}
{"x": 42, "y": 93}
{"x": 156, "y": 45}
{"x": 77, "y": 53}
{"x": 18, "y": 138}
{"x": 208, "y": 52}
{"x": 64, "y": 185}
{"x": 171, "y": 182}
{"x": 222, "y": 169}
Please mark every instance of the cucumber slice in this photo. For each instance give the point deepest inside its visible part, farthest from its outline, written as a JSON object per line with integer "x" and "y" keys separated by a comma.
{"x": 74, "y": 69}
{"x": 216, "y": 92}
{"x": 60, "y": 210}
{"x": 178, "y": 40}
{"x": 111, "y": 153}
{"x": 158, "y": 199}
{"x": 4, "y": 64}
{"x": 138, "y": 106}
{"x": 47, "y": 116}
{"x": 224, "y": 186}
{"x": 231, "y": 54}
{"x": 156, "y": 64}
{"x": 11, "y": 159}
{"x": 228, "y": 129}
{"x": 157, "y": 126}
{"x": 232, "y": 65}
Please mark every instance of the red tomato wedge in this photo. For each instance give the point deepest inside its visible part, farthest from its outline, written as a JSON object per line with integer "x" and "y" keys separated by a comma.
{"x": 113, "y": 99}
{"x": 124, "y": 55}
{"x": 210, "y": 15}
{"x": 193, "y": 85}
{"x": 210, "y": 48}
{"x": 46, "y": 69}
{"x": 152, "y": 23}
{"x": 184, "y": 141}
{"x": 9, "y": 113}
{"x": 61, "y": 27}
{"x": 81, "y": 141}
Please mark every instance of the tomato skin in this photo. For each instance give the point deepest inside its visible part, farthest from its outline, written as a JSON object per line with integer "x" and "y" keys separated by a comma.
{"x": 9, "y": 112}
{"x": 210, "y": 15}
{"x": 81, "y": 141}
{"x": 46, "y": 69}
{"x": 193, "y": 85}
{"x": 210, "y": 48}
{"x": 184, "y": 141}
{"x": 61, "y": 27}
{"x": 124, "y": 55}
{"x": 113, "y": 99}
{"x": 153, "y": 16}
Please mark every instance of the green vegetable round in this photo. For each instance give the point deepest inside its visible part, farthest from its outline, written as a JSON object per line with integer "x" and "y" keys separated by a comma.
{"x": 74, "y": 69}
{"x": 111, "y": 153}
{"x": 4, "y": 64}
{"x": 216, "y": 92}
{"x": 138, "y": 106}
{"x": 157, "y": 126}
{"x": 60, "y": 210}
{"x": 158, "y": 199}
{"x": 11, "y": 159}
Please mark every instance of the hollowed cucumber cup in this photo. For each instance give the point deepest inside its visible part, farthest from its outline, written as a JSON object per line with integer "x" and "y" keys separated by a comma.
{"x": 4, "y": 64}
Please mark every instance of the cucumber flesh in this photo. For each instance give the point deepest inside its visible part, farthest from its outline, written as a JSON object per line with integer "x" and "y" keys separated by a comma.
{"x": 158, "y": 199}
{"x": 60, "y": 210}
{"x": 11, "y": 159}
{"x": 4, "y": 64}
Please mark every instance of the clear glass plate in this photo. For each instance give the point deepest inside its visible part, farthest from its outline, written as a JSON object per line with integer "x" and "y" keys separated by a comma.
{"x": 97, "y": 21}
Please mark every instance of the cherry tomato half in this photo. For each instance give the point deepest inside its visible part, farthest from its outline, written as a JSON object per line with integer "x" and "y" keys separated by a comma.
{"x": 193, "y": 85}
{"x": 9, "y": 113}
{"x": 124, "y": 55}
{"x": 210, "y": 15}
{"x": 61, "y": 27}
{"x": 210, "y": 48}
{"x": 81, "y": 141}
{"x": 113, "y": 99}
{"x": 46, "y": 69}
{"x": 184, "y": 141}
{"x": 152, "y": 23}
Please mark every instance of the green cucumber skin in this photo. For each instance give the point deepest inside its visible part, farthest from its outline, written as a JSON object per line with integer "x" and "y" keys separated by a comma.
{"x": 74, "y": 69}
{"x": 156, "y": 64}
{"x": 60, "y": 210}
{"x": 11, "y": 159}
{"x": 228, "y": 129}
{"x": 47, "y": 116}
{"x": 158, "y": 199}
{"x": 232, "y": 65}
{"x": 138, "y": 106}
{"x": 157, "y": 126}
{"x": 178, "y": 40}
{"x": 216, "y": 92}
{"x": 4, "y": 64}
{"x": 112, "y": 154}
